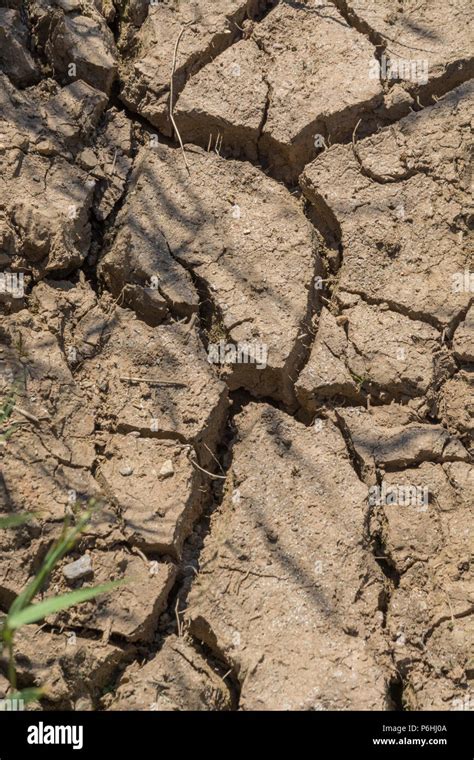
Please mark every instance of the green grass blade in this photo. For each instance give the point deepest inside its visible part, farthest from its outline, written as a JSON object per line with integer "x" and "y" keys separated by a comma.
{"x": 13, "y": 521}
{"x": 26, "y": 695}
{"x": 6, "y": 410}
{"x": 56, "y": 552}
{"x": 39, "y": 611}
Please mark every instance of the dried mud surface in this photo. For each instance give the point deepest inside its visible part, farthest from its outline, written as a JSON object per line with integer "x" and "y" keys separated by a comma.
{"x": 320, "y": 213}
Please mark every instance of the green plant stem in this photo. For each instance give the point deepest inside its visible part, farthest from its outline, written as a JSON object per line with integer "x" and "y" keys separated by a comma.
{"x": 56, "y": 552}
{"x": 11, "y": 661}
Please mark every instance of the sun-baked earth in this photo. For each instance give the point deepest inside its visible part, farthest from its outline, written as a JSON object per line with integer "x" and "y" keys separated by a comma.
{"x": 237, "y": 311}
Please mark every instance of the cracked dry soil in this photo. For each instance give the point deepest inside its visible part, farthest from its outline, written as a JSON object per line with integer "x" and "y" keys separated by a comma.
{"x": 320, "y": 213}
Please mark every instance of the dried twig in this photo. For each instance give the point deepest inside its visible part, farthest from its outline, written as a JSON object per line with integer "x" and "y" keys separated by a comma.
{"x": 354, "y": 140}
{"x": 138, "y": 552}
{"x": 179, "y": 622}
{"x": 26, "y": 414}
{"x": 240, "y": 581}
{"x": 151, "y": 381}
{"x": 254, "y": 572}
{"x": 211, "y": 474}
{"x": 191, "y": 323}
{"x": 214, "y": 458}
{"x": 218, "y": 145}
{"x": 236, "y": 24}
{"x": 120, "y": 295}
{"x": 183, "y": 29}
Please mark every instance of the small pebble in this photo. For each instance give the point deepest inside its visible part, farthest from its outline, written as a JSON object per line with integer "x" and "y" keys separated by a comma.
{"x": 167, "y": 470}
{"x": 126, "y": 470}
{"x": 78, "y": 569}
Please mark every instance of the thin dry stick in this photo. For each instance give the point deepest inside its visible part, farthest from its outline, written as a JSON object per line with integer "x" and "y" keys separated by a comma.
{"x": 120, "y": 295}
{"x": 253, "y": 572}
{"x": 151, "y": 381}
{"x": 240, "y": 581}
{"x": 354, "y": 140}
{"x": 191, "y": 323}
{"x": 179, "y": 622}
{"x": 238, "y": 27}
{"x": 211, "y": 475}
{"x": 26, "y": 414}
{"x": 183, "y": 29}
{"x": 214, "y": 458}
{"x": 135, "y": 550}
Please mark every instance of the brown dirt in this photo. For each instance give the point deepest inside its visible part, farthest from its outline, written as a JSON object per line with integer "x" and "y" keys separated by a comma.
{"x": 256, "y": 353}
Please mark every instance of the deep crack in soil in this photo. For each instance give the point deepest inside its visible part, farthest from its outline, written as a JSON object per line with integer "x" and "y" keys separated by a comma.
{"x": 256, "y": 353}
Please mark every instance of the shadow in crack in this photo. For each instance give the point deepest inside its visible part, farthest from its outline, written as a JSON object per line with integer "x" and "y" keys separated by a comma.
{"x": 260, "y": 286}
{"x": 320, "y": 8}
{"x": 200, "y": 232}
{"x": 278, "y": 534}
